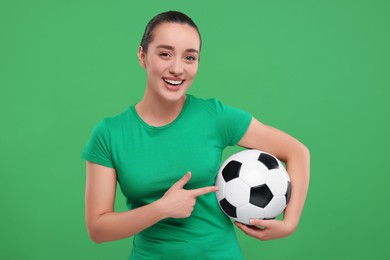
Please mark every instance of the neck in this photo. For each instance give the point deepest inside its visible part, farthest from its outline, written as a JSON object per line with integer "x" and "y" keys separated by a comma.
{"x": 157, "y": 111}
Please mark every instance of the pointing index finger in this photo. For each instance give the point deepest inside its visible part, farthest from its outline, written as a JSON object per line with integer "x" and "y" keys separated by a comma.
{"x": 204, "y": 190}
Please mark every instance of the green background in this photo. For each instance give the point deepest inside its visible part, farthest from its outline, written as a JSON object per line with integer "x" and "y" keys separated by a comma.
{"x": 318, "y": 70}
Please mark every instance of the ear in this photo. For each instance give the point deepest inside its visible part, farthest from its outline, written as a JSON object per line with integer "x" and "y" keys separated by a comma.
{"x": 141, "y": 56}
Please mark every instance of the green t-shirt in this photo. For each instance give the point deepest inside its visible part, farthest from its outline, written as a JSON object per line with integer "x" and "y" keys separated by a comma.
{"x": 148, "y": 160}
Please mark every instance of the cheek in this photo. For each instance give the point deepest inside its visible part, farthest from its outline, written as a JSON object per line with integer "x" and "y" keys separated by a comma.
{"x": 154, "y": 71}
{"x": 155, "y": 68}
{"x": 192, "y": 70}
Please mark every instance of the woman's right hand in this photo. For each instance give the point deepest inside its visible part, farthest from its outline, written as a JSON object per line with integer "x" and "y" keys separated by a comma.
{"x": 178, "y": 202}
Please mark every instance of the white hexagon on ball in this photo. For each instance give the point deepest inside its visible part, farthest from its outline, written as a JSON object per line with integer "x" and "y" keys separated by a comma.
{"x": 237, "y": 192}
{"x": 248, "y": 211}
{"x": 275, "y": 206}
{"x": 253, "y": 173}
{"x": 277, "y": 183}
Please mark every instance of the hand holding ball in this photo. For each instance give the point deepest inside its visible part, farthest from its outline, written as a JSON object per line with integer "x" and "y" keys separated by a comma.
{"x": 252, "y": 184}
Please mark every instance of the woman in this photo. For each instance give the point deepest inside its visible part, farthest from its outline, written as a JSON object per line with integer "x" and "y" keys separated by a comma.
{"x": 165, "y": 152}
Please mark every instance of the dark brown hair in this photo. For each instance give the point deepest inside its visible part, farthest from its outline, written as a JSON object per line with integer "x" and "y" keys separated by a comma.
{"x": 166, "y": 17}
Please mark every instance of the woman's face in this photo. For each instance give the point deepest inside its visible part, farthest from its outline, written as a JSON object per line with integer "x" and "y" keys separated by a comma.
{"x": 171, "y": 61}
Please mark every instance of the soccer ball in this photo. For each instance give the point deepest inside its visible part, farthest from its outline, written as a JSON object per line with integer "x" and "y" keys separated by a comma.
{"x": 252, "y": 184}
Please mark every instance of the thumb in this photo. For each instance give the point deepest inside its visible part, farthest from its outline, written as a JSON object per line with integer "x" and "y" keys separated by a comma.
{"x": 183, "y": 181}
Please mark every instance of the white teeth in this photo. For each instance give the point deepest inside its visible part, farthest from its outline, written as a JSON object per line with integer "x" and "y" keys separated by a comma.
{"x": 173, "y": 82}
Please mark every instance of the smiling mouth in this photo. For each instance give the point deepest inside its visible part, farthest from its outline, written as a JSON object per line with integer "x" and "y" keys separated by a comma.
{"x": 174, "y": 83}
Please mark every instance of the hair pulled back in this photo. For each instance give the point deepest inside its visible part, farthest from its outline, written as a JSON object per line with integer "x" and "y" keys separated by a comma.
{"x": 166, "y": 17}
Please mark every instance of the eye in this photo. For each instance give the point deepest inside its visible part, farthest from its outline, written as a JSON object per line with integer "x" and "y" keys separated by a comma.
{"x": 164, "y": 55}
{"x": 191, "y": 58}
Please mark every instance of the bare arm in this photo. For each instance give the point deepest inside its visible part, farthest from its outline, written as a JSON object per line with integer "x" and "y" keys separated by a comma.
{"x": 104, "y": 224}
{"x": 297, "y": 159}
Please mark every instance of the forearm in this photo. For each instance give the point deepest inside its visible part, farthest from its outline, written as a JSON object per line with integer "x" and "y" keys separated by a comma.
{"x": 118, "y": 225}
{"x": 298, "y": 167}
{"x": 106, "y": 225}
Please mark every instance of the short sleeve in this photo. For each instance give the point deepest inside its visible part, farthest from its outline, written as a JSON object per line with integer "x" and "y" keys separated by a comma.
{"x": 232, "y": 123}
{"x": 97, "y": 148}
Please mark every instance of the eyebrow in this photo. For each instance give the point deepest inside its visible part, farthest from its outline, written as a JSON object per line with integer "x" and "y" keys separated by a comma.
{"x": 169, "y": 47}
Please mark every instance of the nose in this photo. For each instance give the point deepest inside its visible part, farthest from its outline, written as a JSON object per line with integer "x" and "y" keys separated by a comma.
{"x": 176, "y": 67}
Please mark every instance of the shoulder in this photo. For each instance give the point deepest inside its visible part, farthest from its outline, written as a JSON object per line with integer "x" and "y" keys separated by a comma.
{"x": 209, "y": 105}
{"x": 216, "y": 107}
{"x": 115, "y": 122}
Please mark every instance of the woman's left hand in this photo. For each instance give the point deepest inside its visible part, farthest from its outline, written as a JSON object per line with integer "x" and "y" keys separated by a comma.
{"x": 267, "y": 229}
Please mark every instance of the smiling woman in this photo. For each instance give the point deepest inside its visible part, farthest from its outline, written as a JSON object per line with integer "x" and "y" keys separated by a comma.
{"x": 171, "y": 62}
{"x": 165, "y": 152}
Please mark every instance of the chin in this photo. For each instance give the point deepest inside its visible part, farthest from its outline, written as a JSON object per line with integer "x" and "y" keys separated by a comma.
{"x": 174, "y": 96}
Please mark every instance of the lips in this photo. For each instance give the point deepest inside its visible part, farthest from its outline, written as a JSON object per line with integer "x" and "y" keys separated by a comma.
{"x": 173, "y": 84}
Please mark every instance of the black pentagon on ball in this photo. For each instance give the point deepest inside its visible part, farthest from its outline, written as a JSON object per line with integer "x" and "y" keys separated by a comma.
{"x": 260, "y": 195}
{"x": 269, "y": 161}
{"x": 288, "y": 192}
{"x": 229, "y": 209}
{"x": 231, "y": 170}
